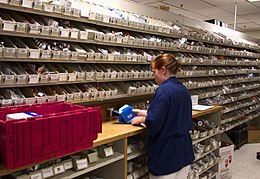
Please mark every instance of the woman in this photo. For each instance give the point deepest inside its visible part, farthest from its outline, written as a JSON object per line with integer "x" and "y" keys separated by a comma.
{"x": 169, "y": 120}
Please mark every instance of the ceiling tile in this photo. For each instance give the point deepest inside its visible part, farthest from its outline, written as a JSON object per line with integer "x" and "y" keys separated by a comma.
{"x": 219, "y": 3}
{"x": 191, "y": 14}
{"x": 256, "y": 4}
{"x": 245, "y": 8}
{"x": 230, "y": 19}
{"x": 214, "y": 13}
{"x": 188, "y": 4}
{"x": 247, "y": 26}
{"x": 252, "y": 17}
{"x": 144, "y": 1}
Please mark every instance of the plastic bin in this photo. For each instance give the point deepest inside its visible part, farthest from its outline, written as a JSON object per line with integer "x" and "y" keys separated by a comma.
{"x": 61, "y": 129}
{"x": 239, "y": 135}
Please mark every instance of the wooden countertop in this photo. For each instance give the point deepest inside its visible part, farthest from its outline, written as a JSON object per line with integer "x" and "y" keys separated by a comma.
{"x": 208, "y": 111}
{"x": 113, "y": 131}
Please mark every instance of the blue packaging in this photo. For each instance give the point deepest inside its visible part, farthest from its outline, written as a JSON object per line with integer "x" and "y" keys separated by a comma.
{"x": 126, "y": 114}
{"x": 32, "y": 114}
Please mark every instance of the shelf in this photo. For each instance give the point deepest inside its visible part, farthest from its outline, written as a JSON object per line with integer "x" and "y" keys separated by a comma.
{"x": 6, "y": 59}
{"x": 236, "y": 82}
{"x": 123, "y": 97}
{"x": 231, "y": 92}
{"x": 207, "y": 53}
{"x": 80, "y": 19}
{"x": 239, "y": 107}
{"x": 208, "y": 167}
{"x": 238, "y": 124}
{"x": 213, "y": 75}
{"x": 215, "y": 174}
{"x": 223, "y": 44}
{"x": 242, "y": 98}
{"x": 206, "y": 153}
{"x": 87, "y": 20}
{"x": 145, "y": 31}
{"x": 135, "y": 155}
{"x": 145, "y": 177}
{"x": 72, "y": 61}
{"x": 139, "y": 46}
{"x": 101, "y": 163}
{"x": 45, "y": 13}
{"x": 217, "y": 63}
{"x": 41, "y": 36}
{"x": 73, "y": 82}
{"x": 202, "y": 139}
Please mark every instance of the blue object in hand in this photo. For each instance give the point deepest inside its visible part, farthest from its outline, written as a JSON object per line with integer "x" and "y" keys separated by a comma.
{"x": 126, "y": 114}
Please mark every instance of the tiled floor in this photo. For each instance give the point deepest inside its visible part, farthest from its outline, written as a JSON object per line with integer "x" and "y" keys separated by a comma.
{"x": 245, "y": 165}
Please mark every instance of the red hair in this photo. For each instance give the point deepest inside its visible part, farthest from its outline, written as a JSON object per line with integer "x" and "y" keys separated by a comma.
{"x": 168, "y": 61}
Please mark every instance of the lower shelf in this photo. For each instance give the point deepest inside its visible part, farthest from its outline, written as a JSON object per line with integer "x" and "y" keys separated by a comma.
{"x": 101, "y": 163}
{"x": 209, "y": 167}
{"x": 206, "y": 153}
{"x": 215, "y": 174}
{"x": 139, "y": 174}
{"x": 135, "y": 155}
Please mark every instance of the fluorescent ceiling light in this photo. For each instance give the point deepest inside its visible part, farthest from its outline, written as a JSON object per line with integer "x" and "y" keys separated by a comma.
{"x": 253, "y": 0}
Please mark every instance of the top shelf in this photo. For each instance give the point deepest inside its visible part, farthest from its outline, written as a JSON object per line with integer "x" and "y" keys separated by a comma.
{"x": 143, "y": 28}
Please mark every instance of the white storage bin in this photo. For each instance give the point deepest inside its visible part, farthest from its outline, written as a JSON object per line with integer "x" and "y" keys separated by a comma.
{"x": 9, "y": 49}
{"x": 59, "y": 93}
{"x": 21, "y": 49}
{"x": 29, "y": 97}
{"x": 34, "y": 51}
{"x": 8, "y": 74}
{"x": 21, "y": 75}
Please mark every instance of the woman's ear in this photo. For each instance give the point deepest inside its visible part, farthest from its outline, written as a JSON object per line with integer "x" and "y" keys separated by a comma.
{"x": 164, "y": 70}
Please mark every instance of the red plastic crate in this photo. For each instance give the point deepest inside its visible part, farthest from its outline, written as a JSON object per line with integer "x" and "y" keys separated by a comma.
{"x": 62, "y": 128}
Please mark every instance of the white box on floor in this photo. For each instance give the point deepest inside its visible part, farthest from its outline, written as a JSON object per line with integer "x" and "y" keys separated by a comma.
{"x": 226, "y": 158}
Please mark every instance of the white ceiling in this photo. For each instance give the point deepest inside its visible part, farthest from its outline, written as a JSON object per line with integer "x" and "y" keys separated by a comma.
{"x": 248, "y": 14}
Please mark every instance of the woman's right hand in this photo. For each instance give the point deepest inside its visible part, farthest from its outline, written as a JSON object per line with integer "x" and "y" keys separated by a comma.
{"x": 138, "y": 120}
{"x": 139, "y": 112}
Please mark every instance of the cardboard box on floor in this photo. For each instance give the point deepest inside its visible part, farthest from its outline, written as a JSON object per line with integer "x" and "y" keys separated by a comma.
{"x": 226, "y": 158}
{"x": 253, "y": 134}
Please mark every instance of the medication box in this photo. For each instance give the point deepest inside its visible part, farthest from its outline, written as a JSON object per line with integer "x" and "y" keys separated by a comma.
{"x": 22, "y": 115}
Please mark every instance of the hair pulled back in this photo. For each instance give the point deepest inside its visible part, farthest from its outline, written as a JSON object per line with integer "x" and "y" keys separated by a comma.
{"x": 168, "y": 61}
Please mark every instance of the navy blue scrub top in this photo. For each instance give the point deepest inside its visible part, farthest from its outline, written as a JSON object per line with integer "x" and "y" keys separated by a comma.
{"x": 169, "y": 119}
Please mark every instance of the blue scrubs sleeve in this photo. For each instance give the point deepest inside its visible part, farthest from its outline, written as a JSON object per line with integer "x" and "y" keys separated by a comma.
{"x": 157, "y": 113}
